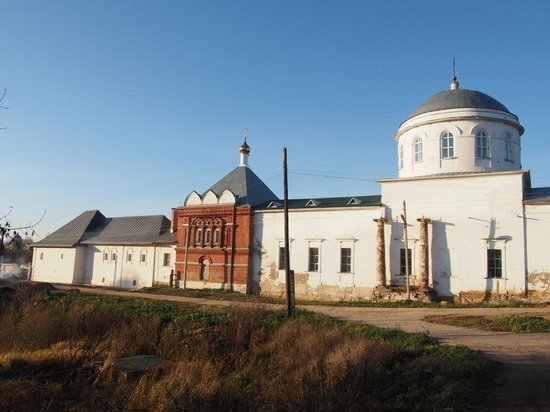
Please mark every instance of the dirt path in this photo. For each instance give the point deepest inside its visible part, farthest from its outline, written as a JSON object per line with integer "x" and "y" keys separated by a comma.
{"x": 524, "y": 382}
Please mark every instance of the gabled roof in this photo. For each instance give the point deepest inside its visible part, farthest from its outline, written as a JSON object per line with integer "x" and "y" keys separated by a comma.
{"x": 328, "y": 202}
{"x": 92, "y": 227}
{"x": 129, "y": 230}
{"x": 70, "y": 234}
{"x": 246, "y": 186}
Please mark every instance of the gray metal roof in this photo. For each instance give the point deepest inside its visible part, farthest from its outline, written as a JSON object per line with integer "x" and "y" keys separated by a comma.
{"x": 92, "y": 227}
{"x": 325, "y": 202}
{"x": 458, "y": 99}
{"x": 537, "y": 195}
{"x": 245, "y": 185}
{"x": 71, "y": 233}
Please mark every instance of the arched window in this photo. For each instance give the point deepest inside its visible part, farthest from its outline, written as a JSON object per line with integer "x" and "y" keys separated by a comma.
{"x": 418, "y": 156}
{"x": 482, "y": 144}
{"x": 401, "y": 156}
{"x": 205, "y": 269}
{"x": 509, "y": 152}
{"x": 129, "y": 255}
{"x": 216, "y": 236}
{"x": 106, "y": 254}
{"x": 198, "y": 236}
{"x": 207, "y": 236}
{"x": 447, "y": 145}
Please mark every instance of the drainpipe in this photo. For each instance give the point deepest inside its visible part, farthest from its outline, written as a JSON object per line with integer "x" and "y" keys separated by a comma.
{"x": 121, "y": 268}
{"x": 154, "y": 262}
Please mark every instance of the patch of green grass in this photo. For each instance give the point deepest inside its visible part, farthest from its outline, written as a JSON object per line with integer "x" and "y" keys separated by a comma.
{"x": 513, "y": 323}
{"x": 215, "y": 294}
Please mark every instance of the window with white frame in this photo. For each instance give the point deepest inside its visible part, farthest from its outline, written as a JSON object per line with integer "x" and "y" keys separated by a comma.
{"x": 166, "y": 260}
{"x": 313, "y": 259}
{"x": 345, "y": 260}
{"x": 404, "y": 260}
{"x": 129, "y": 255}
{"x": 494, "y": 263}
{"x": 401, "y": 156}
{"x": 418, "y": 152}
{"x": 216, "y": 236}
{"x": 106, "y": 255}
{"x": 207, "y": 236}
{"x": 482, "y": 144}
{"x": 113, "y": 256}
{"x": 143, "y": 256}
{"x": 508, "y": 147}
{"x": 447, "y": 145}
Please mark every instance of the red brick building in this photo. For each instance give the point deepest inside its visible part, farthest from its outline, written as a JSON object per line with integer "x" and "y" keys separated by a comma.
{"x": 215, "y": 230}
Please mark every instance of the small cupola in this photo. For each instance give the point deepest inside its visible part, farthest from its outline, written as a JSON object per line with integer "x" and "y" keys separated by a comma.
{"x": 244, "y": 150}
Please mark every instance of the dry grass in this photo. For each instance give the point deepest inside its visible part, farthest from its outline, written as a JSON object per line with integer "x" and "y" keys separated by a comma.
{"x": 239, "y": 359}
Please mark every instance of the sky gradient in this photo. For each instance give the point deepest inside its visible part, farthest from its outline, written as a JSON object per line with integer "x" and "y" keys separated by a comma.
{"x": 128, "y": 106}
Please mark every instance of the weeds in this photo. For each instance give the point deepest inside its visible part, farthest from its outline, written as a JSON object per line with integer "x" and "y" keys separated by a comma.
{"x": 237, "y": 359}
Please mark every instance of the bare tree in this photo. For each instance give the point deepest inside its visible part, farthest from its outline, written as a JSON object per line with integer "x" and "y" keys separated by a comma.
{"x": 14, "y": 233}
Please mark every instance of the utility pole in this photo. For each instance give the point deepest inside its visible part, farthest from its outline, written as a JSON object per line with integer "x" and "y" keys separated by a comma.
{"x": 404, "y": 217}
{"x": 289, "y": 274}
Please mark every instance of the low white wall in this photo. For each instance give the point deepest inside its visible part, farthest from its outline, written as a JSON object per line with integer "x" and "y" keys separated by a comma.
{"x": 326, "y": 229}
{"x": 56, "y": 265}
{"x": 120, "y": 271}
{"x": 537, "y": 227}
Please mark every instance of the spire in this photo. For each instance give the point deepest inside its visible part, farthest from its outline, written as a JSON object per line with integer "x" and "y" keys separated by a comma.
{"x": 454, "y": 83}
{"x": 244, "y": 150}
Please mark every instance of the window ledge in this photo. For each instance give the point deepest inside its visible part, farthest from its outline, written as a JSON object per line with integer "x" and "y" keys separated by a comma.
{"x": 345, "y": 273}
{"x": 449, "y": 158}
{"x": 493, "y": 278}
{"x": 483, "y": 157}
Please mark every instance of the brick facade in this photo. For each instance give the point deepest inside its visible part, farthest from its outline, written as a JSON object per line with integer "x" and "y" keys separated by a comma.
{"x": 214, "y": 245}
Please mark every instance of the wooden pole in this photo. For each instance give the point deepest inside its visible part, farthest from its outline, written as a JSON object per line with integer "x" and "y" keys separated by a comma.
{"x": 404, "y": 216}
{"x": 289, "y": 275}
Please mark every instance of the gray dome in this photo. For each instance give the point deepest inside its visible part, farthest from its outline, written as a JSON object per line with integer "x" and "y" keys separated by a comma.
{"x": 458, "y": 99}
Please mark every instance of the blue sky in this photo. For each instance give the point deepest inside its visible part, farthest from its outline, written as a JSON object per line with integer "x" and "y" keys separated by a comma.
{"x": 127, "y": 106}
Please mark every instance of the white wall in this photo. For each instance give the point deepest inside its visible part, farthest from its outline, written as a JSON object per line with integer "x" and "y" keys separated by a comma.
{"x": 329, "y": 230}
{"x": 55, "y": 264}
{"x": 537, "y": 227}
{"x": 120, "y": 272}
{"x": 465, "y": 212}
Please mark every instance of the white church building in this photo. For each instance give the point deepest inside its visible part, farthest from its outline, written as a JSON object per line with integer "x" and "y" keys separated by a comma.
{"x": 475, "y": 226}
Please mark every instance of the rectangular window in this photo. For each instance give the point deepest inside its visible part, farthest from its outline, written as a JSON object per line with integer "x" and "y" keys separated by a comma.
{"x": 282, "y": 258}
{"x": 129, "y": 258}
{"x": 143, "y": 257}
{"x": 494, "y": 263}
{"x": 345, "y": 260}
{"x": 105, "y": 256}
{"x": 113, "y": 257}
{"x": 41, "y": 256}
{"x": 402, "y": 269}
{"x": 313, "y": 261}
{"x": 166, "y": 261}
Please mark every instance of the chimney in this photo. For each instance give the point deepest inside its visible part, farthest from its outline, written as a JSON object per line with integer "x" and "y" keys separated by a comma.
{"x": 174, "y": 220}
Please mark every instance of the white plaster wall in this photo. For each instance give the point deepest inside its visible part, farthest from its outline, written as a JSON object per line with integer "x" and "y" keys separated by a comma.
{"x": 327, "y": 229}
{"x": 429, "y": 127}
{"x": 56, "y": 265}
{"x": 537, "y": 227}
{"x": 128, "y": 274}
{"x": 465, "y": 212}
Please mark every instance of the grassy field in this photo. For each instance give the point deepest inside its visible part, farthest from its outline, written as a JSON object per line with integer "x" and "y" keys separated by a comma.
{"x": 231, "y": 359}
{"x": 513, "y": 323}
